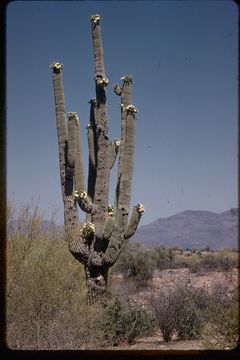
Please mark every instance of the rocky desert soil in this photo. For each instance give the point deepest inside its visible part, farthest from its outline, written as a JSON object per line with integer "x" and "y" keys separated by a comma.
{"x": 169, "y": 277}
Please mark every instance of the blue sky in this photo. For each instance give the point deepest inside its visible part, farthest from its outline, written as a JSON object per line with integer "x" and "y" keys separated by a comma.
{"x": 183, "y": 59}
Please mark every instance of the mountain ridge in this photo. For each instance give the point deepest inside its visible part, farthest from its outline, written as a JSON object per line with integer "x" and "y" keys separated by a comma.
{"x": 192, "y": 229}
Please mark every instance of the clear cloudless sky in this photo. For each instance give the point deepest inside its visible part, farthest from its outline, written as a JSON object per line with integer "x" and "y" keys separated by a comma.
{"x": 183, "y": 59}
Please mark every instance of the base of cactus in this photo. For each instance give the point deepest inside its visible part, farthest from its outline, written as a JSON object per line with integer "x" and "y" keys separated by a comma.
{"x": 96, "y": 281}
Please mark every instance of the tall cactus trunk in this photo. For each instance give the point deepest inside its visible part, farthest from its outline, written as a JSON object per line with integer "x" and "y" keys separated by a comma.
{"x": 97, "y": 242}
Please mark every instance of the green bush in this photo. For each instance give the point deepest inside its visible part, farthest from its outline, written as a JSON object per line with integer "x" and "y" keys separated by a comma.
{"x": 192, "y": 314}
{"x": 220, "y": 261}
{"x": 181, "y": 310}
{"x": 136, "y": 264}
{"x": 222, "y": 329}
{"x": 163, "y": 257}
{"x": 124, "y": 323}
{"x": 166, "y": 308}
{"x": 46, "y": 305}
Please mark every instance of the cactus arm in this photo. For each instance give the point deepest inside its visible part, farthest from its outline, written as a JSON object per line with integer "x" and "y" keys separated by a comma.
{"x": 122, "y": 153}
{"x": 79, "y": 168}
{"x": 134, "y": 221}
{"x": 125, "y": 168}
{"x": 113, "y": 152}
{"x": 92, "y": 134}
{"x": 72, "y": 150}
{"x": 117, "y": 89}
{"x": 109, "y": 223}
{"x": 97, "y": 46}
{"x": 83, "y": 201}
{"x": 71, "y": 220}
{"x": 60, "y": 119}
{"x": 130, "y": 129}
{"x": 129, "y": 160}
{"x": 102, "y": 178}
{"x": 108, "y": 227}
{"x": 114, "y": 246}
{"x": 92, "y": 145}
{"x": 79, "y": 241}
{"x": 74, "y": 153}
{"x": 78, "y": 249}
{"x": 70, "y": 209}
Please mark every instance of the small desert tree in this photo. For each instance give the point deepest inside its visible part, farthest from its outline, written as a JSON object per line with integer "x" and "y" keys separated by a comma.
{"x": 96, "y": 243}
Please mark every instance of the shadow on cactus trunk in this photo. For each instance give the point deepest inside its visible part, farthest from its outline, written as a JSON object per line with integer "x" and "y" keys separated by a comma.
{"x": 96, "y": 243}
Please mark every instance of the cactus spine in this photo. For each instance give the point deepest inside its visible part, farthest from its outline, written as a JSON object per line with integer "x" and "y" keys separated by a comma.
{"x": 96, "y": 243}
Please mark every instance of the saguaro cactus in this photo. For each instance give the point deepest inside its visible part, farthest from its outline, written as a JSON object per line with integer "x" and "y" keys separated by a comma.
{"x": 97, "y": 242}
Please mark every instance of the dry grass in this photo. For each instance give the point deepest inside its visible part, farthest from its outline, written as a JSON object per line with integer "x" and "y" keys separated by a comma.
{"x": 46, "y": 293}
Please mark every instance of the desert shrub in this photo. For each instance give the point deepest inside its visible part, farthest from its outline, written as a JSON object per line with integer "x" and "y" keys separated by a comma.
{"x": 136, "y": 264}
{"x": 195, "y": 266}
{"x": 179, "y": 262}
{"x": 192, "y": 314}
{"x": 194, "y": 263}
{"x": 222, "y": 328}
{"x": 179, "y": 309}
{"x": 46, "y": 304}
{"x": 226, "y": 261}
{"x": 215, "y": 261}
{"x": 163, "y": 257}
{"x": 166, "y": 307}
{"x": 124, "y": 323}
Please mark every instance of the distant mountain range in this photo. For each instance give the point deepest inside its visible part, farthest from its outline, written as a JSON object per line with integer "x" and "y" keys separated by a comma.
{"x": 192, "y": 229}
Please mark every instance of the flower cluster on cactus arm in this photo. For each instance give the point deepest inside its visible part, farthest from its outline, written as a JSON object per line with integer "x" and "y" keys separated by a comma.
{"x": 56, "y": 66}
{"x": 95, "y": 18}
{"x": 80, "y": 194}
{"x": 101, "y": 80}
{"x": 92, "y": 101}
{"x": 89, "y": 126}
{"x": 72, "y": 115}
{"x": 140, "y": 208}
{"x": 87, "y": 230}
{"x": 130, "y": 108}
{"x": 116, "y": 142}
{"x": 126, "y": 78}
{"x": 110, "y": 210}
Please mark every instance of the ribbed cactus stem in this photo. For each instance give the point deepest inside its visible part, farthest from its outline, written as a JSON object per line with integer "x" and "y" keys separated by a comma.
{"x": 138, "y": 210}
{"x": 97, "y": 46}
{"x": 79, "y": 167}
{"x": 83, "y": 201}
{"x": 60, "y": 120}
{"x": 127, "y": 151}
{"x": 72, "y": 140}
{"x": 92, "y": 147}
{"x": 102, "y": 170}
{"x": 92, "y": 134}
{"x": 113, "y": 152}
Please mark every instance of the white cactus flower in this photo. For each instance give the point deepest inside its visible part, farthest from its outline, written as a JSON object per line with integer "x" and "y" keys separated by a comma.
{"x": 72, "y": 115}
{"x": 100, "y": 80}
{"x": 140, "y": 208}
{"x": 127, "y": 78}
{"x": 80, "y": 194}
{"x": 87, "y": 229}
{"x": 131, "y": 108}
{"x": 95, "y": 18}
{"x": 117, "y": 142}
{"x": 110, "y": 210}
{"x": 56, "y": 65}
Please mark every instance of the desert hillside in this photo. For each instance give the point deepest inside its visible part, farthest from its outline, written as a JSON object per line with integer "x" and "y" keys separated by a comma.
{"x": 192, "y": 229}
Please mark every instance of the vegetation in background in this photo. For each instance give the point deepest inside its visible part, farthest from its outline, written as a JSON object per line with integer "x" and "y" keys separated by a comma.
{"x": 47, "y": 299}
{"x": 122, "y": 322}
{"x": 179, "y": 310}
